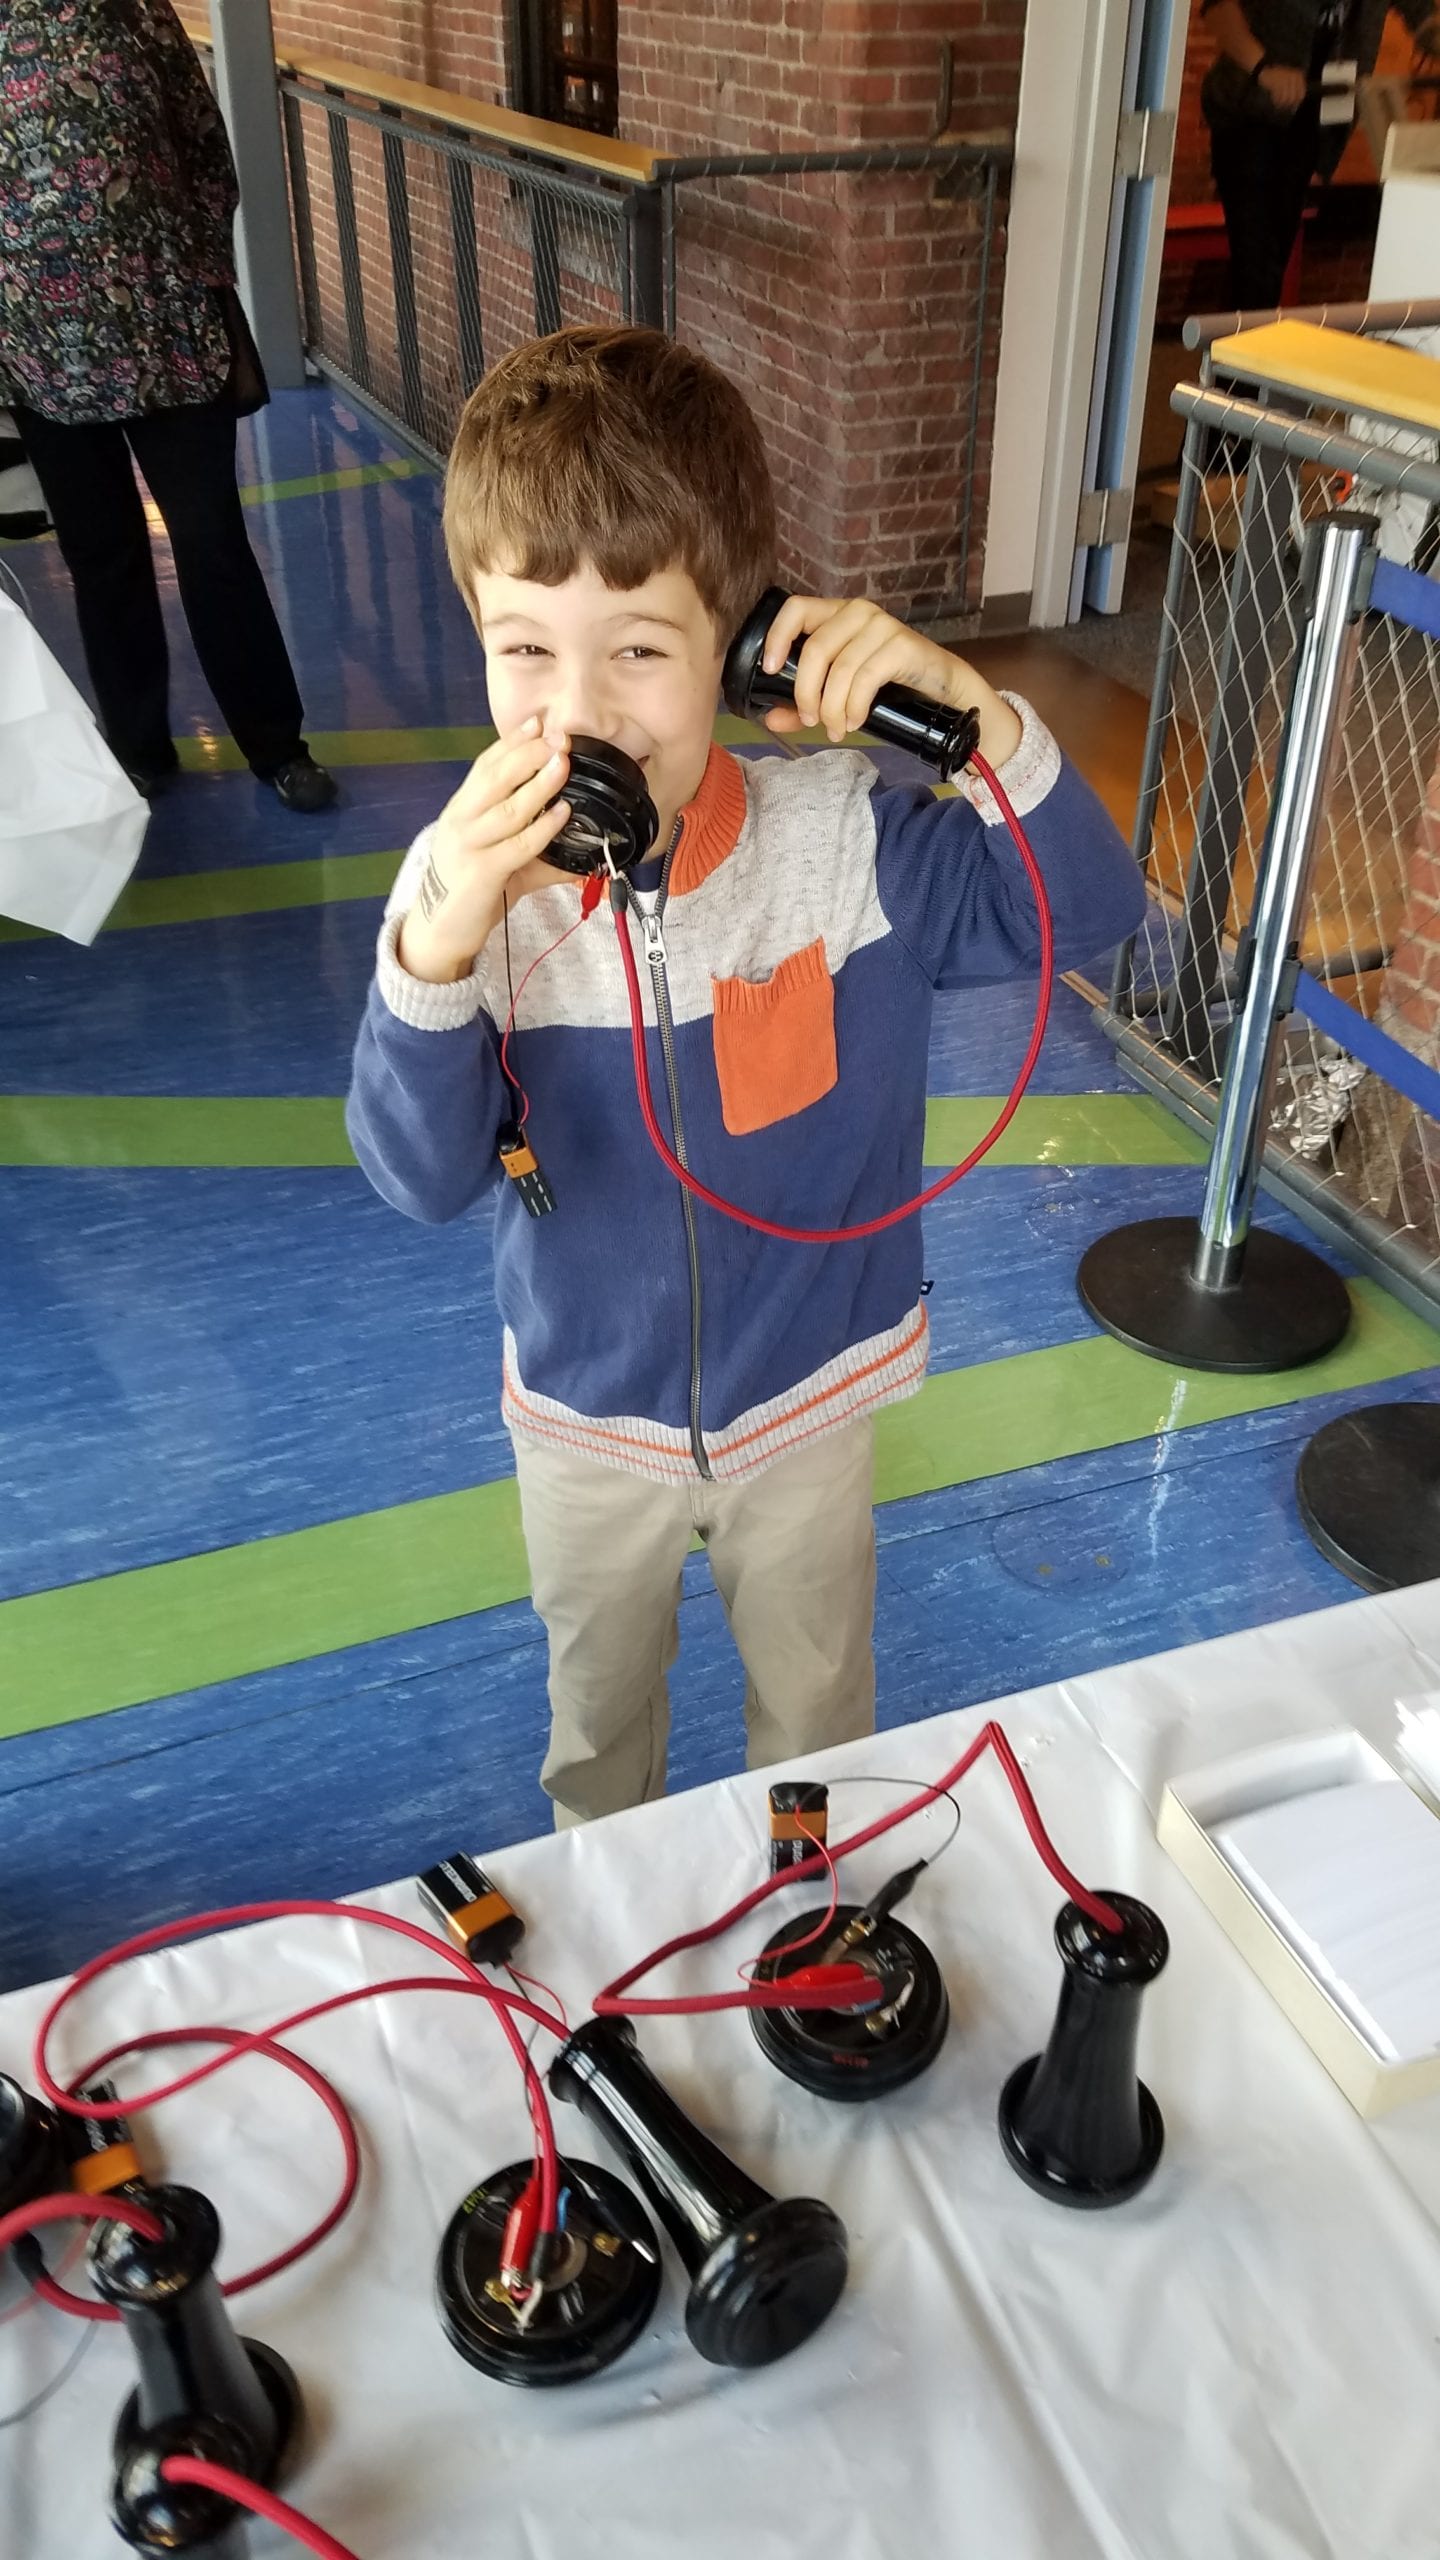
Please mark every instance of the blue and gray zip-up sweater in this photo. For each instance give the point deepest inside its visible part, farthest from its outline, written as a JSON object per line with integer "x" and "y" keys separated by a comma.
{"x": 805, "y": 916}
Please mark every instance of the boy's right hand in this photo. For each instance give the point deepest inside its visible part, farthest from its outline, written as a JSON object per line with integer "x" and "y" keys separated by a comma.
{"x": 487, "y": 847}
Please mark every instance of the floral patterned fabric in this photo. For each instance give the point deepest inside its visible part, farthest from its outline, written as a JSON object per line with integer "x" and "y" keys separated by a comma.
{"x": 117, "y": 199}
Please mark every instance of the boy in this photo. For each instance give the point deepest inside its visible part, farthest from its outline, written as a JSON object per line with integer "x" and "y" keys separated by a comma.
{"x": 609, "y": 521}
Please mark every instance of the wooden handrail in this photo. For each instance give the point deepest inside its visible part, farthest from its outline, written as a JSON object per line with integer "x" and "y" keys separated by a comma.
{"x": 595, "y": 152}
{"x": 1369, "y": 374}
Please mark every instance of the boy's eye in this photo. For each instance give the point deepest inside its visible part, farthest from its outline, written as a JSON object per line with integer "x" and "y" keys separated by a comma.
{"x": 523, "y": 649}
{"x": 638, "y": 651}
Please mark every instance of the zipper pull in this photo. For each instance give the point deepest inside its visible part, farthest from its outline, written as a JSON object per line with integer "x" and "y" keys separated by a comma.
{"x": 653, "y": 932}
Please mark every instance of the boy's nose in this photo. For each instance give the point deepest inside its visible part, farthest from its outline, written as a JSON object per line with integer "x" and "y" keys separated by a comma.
{"x": 581, "y": 720}
{"x": 575, "y": 708}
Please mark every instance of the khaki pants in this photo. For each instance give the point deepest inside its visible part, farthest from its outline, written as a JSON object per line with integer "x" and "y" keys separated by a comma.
{"x": 792, "y": 1553}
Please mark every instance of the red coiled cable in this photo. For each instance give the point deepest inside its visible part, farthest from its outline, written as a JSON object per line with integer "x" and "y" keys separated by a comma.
{"x": 505, "y": 2005}
{"x": 615, "y": 2001}
{"x": 72, "y": 2208}
{"x": 907, "y": 1208}
{"x": 187, "y": 2471}
{"x": 60, "y": 2298}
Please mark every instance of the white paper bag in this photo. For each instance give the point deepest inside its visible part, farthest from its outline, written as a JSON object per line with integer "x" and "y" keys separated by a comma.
{"x": 71, "y": 821}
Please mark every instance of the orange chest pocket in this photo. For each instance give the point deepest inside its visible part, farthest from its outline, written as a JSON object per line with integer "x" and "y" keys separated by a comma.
{"x": 775, "y": 1042}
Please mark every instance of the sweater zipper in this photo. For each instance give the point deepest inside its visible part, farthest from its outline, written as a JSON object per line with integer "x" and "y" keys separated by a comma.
{"x": 652, "y": 927}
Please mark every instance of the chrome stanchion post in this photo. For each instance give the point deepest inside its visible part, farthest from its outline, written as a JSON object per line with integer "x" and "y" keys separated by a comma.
{"x": 1212, "y": 1294}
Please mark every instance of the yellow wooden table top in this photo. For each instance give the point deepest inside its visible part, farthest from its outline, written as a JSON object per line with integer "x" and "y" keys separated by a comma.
{"x": 1369, "y": 374}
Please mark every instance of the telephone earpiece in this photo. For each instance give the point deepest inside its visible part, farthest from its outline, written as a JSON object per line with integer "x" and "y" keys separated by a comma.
{"x": 609, "y": 806}
{"x": 903, "y": 718}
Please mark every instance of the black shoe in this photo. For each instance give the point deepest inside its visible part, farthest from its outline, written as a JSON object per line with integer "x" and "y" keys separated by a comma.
{"x": 303, "y": 784}
{"x": 149, "y": 776}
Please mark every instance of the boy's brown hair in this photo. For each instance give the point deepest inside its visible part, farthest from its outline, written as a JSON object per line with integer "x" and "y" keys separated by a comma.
{"x": 616, "y": 448}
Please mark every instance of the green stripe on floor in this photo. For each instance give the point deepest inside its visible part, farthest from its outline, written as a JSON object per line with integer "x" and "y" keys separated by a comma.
{"x": 360, "y": 475}
{"x": 231, "y": 1131}
{"x": 316, "y": 484}
{"x": 1060, "y": 1129}
{"x": 92, "y": 1647}
{"x": 252, "y": 889}
{"x": 342, "y": 747}
{"x": 255, "y": 1130}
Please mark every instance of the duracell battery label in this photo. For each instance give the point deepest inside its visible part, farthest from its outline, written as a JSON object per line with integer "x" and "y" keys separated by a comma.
{"x": 100, "y": 2150}
{"x": 799, "y": 1815}
{"x": 471, "y": 1907}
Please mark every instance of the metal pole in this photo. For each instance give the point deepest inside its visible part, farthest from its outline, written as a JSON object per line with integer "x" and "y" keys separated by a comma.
{"x": 1210, "y": 1294}
{"x": 244, "y": 44}
{"x": 1340, "y": 558}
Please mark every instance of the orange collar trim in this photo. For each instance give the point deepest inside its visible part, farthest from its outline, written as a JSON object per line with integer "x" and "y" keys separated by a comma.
{"x": 710, "y": 823}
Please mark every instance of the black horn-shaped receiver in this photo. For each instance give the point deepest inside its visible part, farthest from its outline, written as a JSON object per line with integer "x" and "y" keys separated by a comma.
{"x": 202, "y": 2390}
{"x": 1076, "y": 2123}
{"x": 764, "y": 2271}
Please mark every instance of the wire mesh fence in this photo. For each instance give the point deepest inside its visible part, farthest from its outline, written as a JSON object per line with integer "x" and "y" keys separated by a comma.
{"x": 1343, "y": 1137}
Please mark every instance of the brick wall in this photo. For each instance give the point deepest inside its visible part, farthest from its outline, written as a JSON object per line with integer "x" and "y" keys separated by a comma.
{"x": 849, "y": 307}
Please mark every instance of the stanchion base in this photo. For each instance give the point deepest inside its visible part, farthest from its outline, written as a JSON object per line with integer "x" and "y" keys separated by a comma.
{"x": 1286, "y": 1307}
{"x": 1368, "y": 1487}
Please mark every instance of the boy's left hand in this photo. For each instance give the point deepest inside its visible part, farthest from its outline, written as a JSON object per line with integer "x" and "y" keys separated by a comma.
{"x": 854, "y": 648}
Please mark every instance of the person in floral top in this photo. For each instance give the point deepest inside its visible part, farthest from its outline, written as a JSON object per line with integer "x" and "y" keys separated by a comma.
{"x": 120, "y": 336}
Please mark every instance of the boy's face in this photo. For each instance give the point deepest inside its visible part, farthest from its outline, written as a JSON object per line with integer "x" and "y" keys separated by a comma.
{"x": 640, "y": 669}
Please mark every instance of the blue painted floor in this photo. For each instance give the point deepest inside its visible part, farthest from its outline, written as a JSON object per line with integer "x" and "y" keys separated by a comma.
{"x": 197, "y": 1359}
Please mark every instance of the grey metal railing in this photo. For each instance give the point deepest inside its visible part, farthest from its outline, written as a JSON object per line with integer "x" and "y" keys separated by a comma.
{"x": 426, "y": 249}
{"x": 429, "y": 253}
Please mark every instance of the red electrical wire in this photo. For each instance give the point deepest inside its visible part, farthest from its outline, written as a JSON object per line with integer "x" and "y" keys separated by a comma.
{"x": 559, "y": 2024}
{"x": 907, "y": 1208}
{"x": 49, "y": 2287}
{"x": 793, "y": 1946}
{"x": 502, "y": 2004}
{"x": 590, "y": 897}
{"x": 75, "y": 2208}
{"x": 187, "y": 2471}
{"x": 613, "y": 2001}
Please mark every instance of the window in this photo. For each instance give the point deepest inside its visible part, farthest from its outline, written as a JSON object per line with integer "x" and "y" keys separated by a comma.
{"x": 562, "y": 62}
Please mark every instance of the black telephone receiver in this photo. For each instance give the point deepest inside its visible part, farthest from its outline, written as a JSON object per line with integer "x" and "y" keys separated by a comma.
{"x": 903, "y": 718}
{"x": 612, "y": 811}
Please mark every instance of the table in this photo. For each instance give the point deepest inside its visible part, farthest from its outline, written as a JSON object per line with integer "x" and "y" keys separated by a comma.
{"x": 1242, "y": 2364}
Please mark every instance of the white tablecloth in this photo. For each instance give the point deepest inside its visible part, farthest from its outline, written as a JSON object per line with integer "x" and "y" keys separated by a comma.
{"x": 1242, "y": 2364}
